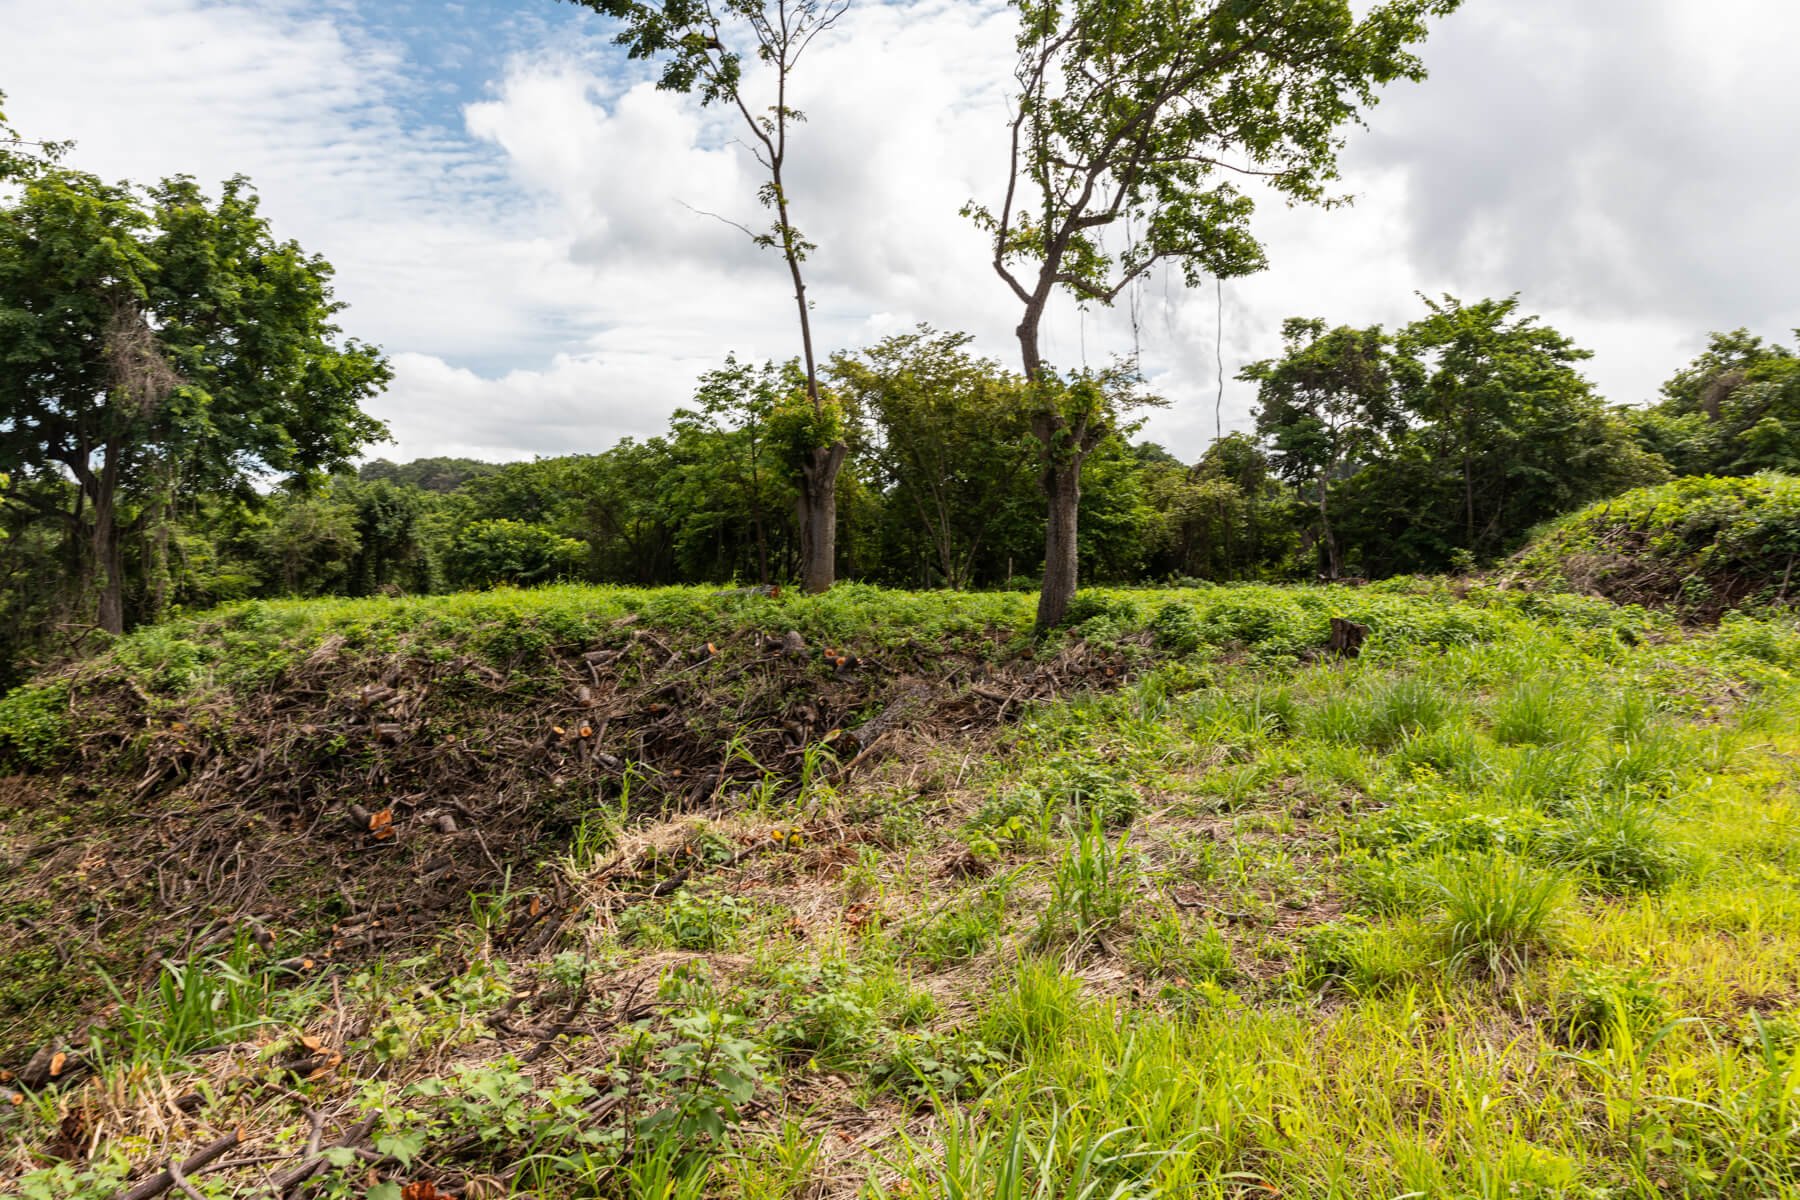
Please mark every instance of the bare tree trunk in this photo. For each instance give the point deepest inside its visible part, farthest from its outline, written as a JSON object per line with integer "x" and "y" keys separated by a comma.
{"x": 818, "y": 475}
{"x": 109, "y": 551}
{"x": 1062, "y": 487}
{"x": 1334, "y": 566}
{"x": 818, "y": 517}
{"x": 1063, "y": 451}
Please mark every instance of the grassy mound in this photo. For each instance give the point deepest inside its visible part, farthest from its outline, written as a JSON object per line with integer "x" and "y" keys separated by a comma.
{"x": 339, "y": 778}
{"x": 1699, "y": 546}
{"x": 1176, "y": 903}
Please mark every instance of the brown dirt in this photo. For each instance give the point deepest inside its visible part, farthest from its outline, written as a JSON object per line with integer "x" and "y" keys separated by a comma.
{"x": 353, "y": 806}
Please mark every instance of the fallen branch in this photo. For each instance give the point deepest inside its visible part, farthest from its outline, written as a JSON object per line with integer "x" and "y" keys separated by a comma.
{"x": 165, "y": 1179}
{"x": 287, "y": 1181}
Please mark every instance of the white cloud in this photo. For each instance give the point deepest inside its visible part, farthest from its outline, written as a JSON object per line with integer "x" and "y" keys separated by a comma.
{"x": 537, "y": 269}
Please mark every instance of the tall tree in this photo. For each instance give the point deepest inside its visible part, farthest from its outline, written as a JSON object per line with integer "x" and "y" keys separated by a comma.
{"x": 154, "y": 340}
{"x": 734, "y": 405}
{"x": 1506, "y": 410}
{"x": 1327, "y": 404}
{"x": 704, "y": 44}
{"x": 952, "y": 440}
{"x": 1136, "y": 116}
{"x": 1735, "y": 409}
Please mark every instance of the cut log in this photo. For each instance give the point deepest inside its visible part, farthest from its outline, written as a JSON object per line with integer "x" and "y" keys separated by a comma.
{"x": 908, "y": 706}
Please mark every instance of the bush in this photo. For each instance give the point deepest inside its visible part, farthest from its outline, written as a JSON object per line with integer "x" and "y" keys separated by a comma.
{"x": 484, "y": 553}
{"x": 1698, "y": 545}
{"x": 34, "y": 725}
{"x": 1177, "y": 628}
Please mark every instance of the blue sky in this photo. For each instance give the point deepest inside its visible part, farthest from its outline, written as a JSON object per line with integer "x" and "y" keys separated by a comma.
{"x": 509, "y": 204}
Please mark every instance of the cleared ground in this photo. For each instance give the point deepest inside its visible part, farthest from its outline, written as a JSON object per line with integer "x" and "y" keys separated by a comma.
{"x": 593, "y": 892}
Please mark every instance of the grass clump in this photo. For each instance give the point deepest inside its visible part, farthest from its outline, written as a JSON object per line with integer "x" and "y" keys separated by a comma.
{"x": 1618, "y": 845}
{"x": 1498, "y": 912}
{"x": 1600, "y": 1004}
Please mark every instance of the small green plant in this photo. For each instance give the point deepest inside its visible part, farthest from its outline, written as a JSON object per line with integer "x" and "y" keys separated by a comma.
{"x": 707, "y": 1069}
{"x": 1092, "y": 883}
{"x": 689, "y": 920}
{"x": 666, "y": 1168}
{"x": 1498, "y": 913}
{"x": 1602, "y": 1004}
{"x": 1170, "y": 948}
{"x": 826, "y": 1017}
{"x": 1033, "y": 1011}
{"x": 966, "y": 927}
{"x": 194, "y": 1005}
{"x": 1359, "y": 957}
{"x": 929, "y": 1065}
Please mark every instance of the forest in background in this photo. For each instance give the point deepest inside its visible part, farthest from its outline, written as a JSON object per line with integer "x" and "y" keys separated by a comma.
{"x": 1435, "y": 447}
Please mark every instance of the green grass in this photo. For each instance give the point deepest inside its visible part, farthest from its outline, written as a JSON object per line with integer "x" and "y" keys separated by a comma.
{"x": 1507, "y": 907}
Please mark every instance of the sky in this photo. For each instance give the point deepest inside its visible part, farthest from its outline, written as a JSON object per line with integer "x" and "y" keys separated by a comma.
{"x": 517, "y": 215}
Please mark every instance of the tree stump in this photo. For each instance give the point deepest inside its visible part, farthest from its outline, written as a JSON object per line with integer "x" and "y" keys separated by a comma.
{"x": 1347, "y": 637}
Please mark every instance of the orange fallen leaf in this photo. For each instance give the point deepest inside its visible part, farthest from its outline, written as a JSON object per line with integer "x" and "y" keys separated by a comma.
{"x": 536, "y": 907}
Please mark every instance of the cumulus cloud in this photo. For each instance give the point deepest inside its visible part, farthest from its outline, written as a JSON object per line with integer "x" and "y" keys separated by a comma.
{"x": 521, "y": 218}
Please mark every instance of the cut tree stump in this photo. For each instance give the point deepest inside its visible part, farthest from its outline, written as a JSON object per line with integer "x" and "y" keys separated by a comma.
{"x": 1347, "y": 637}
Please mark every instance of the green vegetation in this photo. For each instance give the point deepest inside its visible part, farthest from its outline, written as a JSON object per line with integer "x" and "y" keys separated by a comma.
{"x": 324, "y": 875}
{"x": 1699, "y": 546}
{"x": 1504, "y": 905}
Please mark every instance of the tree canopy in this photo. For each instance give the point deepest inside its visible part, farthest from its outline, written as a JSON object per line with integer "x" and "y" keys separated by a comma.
{"x": 1136, "y": 126}
{"x": 155, "y": 342}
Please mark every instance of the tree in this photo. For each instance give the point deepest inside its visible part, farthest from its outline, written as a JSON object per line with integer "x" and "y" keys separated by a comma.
{"x": 1324, "y": 406}
{"x": 484, "y": 553}
{"x": 1508, "y": 416}
{"x": 1734, "y": 410}
{"x": 735, "y": 405}
{"x": 704, "y": 44}
{"x": 155, "y": 341}
{"x": 1137, "y": 116}
{"x": 21, "y": 158}
{"x": 952, "y": 440}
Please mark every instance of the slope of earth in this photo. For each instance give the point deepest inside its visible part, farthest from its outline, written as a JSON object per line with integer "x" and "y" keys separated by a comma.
{"x": 1698, "y": 546}
{"x": 603, "y": 893}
